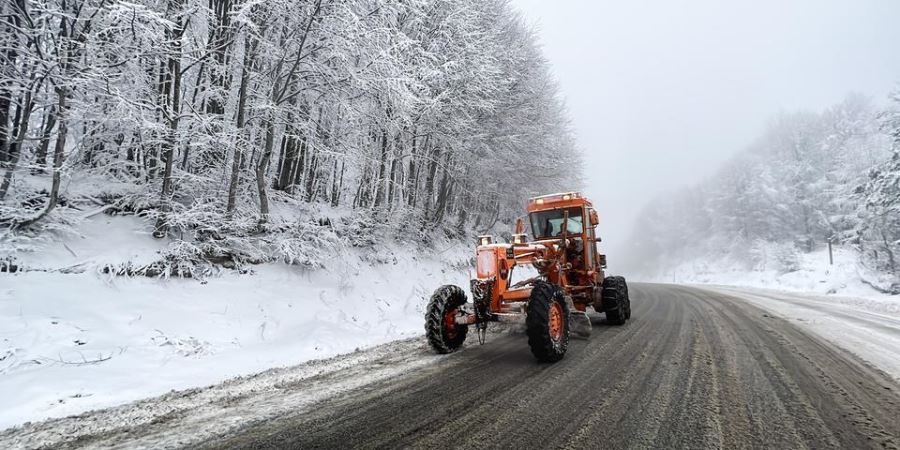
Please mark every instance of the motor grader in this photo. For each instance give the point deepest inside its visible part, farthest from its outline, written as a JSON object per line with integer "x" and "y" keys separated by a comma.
{"x": 568, "y": 278}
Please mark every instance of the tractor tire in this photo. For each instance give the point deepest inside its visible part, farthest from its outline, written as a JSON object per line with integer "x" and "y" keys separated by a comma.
{"x": 443, "y": 333}
{"x": 615, "y": 300}
{"x": 547, "y": 322}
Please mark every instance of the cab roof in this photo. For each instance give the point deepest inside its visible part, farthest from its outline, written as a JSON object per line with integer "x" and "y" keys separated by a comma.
{"x": 557, "y": 201}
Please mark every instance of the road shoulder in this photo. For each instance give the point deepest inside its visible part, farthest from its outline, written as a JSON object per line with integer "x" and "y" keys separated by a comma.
{"x": 869, "y": 330}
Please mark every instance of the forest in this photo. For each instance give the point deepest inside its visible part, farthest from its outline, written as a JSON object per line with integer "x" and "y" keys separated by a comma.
{"x": 810, "y": 178}
{"x": 294, "y": 123}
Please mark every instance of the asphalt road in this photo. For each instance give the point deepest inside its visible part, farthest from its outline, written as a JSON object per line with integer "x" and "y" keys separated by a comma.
{"x": 692, "y": 369}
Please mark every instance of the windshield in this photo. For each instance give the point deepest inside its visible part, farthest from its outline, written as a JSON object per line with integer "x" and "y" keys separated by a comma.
{"x": 547, "y": 224}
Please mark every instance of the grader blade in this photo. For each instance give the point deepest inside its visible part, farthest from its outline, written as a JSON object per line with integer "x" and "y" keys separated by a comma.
{"x": 579, "y": 325}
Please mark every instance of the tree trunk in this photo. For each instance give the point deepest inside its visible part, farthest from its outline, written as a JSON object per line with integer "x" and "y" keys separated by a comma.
{"x": 411, "y": 177}
{"x": 59, "y": 152}
{"x": 287, "y": 175}
{"x": 44, "y": 145}
{"x": 463, "y": 218}
{"x": 237, "y": 163}
{"x": 312, "y": 176}
{"x": 261, "y": 168}
{"x": 4, "y": 118}
{"x": 6, "y": 149}
{"x": 173, "y": 90}
{"x": 336, "y": 183}
{"x": 360, "y": 198}
{"x": 7, "y": 63}
{"x": 886, "y": 243}
{"x": 393, "y": 182}
{"x": 5, "y": 102}
{"x": 278, "y": 184}
{"x": 382, "y": 168}
{"x": 443, "y": 193}
{"x": 300, "y": 166}
{"x": 14, "y": 149}
{"x": 152, "y": 160}
{"x": 430, "y": 179}
{"x": 218, "y": 42}
{"x": 219, "y": 34}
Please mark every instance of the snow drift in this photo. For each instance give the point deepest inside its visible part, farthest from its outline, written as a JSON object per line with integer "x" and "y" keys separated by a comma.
{"x": 71, "y": 342}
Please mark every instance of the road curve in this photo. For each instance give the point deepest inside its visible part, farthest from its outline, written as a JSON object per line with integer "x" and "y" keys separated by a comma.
{"x": 692, "y": 369}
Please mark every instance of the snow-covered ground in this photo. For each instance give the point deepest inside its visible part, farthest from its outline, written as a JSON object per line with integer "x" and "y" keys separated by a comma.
{"x": 831, "y": 300}
{"x": 811, "y": 273}
{"x": 74, "y": 342}
{"x": 183, "y": 419}
{"x": 868, "y": 328}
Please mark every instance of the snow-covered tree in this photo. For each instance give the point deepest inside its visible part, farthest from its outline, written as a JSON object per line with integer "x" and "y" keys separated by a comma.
{"x": 879, "y": 225}
{"x": 222, "y": 119}
{"x": 795, "y": 188}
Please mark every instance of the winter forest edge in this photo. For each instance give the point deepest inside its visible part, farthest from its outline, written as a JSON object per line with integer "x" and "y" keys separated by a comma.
{"x": 250, "y": 131}
{"x": 254, "y": 131}
{"x": 810, "y": 178}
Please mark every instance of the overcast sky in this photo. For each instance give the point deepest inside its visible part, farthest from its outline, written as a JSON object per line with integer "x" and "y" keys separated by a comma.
{"x": 662, "y": 92}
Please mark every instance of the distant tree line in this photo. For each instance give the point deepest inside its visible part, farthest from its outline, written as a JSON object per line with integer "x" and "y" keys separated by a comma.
{"x": 220, "y": 115}
{"x": 810, "y": 178}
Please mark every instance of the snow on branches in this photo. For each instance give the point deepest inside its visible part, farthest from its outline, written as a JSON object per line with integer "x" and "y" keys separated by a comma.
{"x": 215, "y": 118}
{"x": 810, "y": 179}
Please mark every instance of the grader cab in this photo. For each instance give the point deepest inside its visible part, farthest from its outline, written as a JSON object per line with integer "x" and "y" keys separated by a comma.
{"x": 568, "y": 278}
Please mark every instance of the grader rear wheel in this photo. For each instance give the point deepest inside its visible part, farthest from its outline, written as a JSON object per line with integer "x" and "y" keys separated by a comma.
{"x": 627, "y": 301}
{"x": 615, "y": 300}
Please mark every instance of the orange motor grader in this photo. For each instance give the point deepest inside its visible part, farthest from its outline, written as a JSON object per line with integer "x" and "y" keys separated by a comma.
{"x": 568, "y": 277}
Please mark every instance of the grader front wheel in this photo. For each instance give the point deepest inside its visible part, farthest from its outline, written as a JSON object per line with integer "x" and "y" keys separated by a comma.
{"x": 443, "y": 333}
{"x": 547, "y": 322}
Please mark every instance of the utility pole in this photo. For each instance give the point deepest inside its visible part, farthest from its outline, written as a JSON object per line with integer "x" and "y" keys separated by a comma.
{"x": 830, "y": 253}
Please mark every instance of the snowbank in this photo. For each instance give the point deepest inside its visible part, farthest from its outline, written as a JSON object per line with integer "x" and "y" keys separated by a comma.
{"x": 75, "y": 342}
{"x": 805, "y": 272}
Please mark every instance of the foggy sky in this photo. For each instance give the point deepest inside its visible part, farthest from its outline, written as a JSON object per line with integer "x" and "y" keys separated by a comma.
{"x": 662, "y": 92}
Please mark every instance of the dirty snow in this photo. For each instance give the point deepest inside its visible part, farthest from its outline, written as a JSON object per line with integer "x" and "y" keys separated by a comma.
{"x": 868, "y": 328}
{"x": 831, "y": 300}
{"x": 180, "y": 419}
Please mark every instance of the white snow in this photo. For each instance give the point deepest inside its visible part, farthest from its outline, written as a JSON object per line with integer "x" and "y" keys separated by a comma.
{"x": 812, "y": 273}
{"x": 75, "y": 342}
{"x": 222, "y": 408}
{"x": 831, "y": 300}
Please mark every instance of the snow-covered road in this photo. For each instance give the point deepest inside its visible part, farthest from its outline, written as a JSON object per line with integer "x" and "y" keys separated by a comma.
{"x": 868, "y": 328}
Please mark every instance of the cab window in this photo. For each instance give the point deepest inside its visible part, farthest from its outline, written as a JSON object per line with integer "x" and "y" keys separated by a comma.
{"x": 548, "y": 224}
